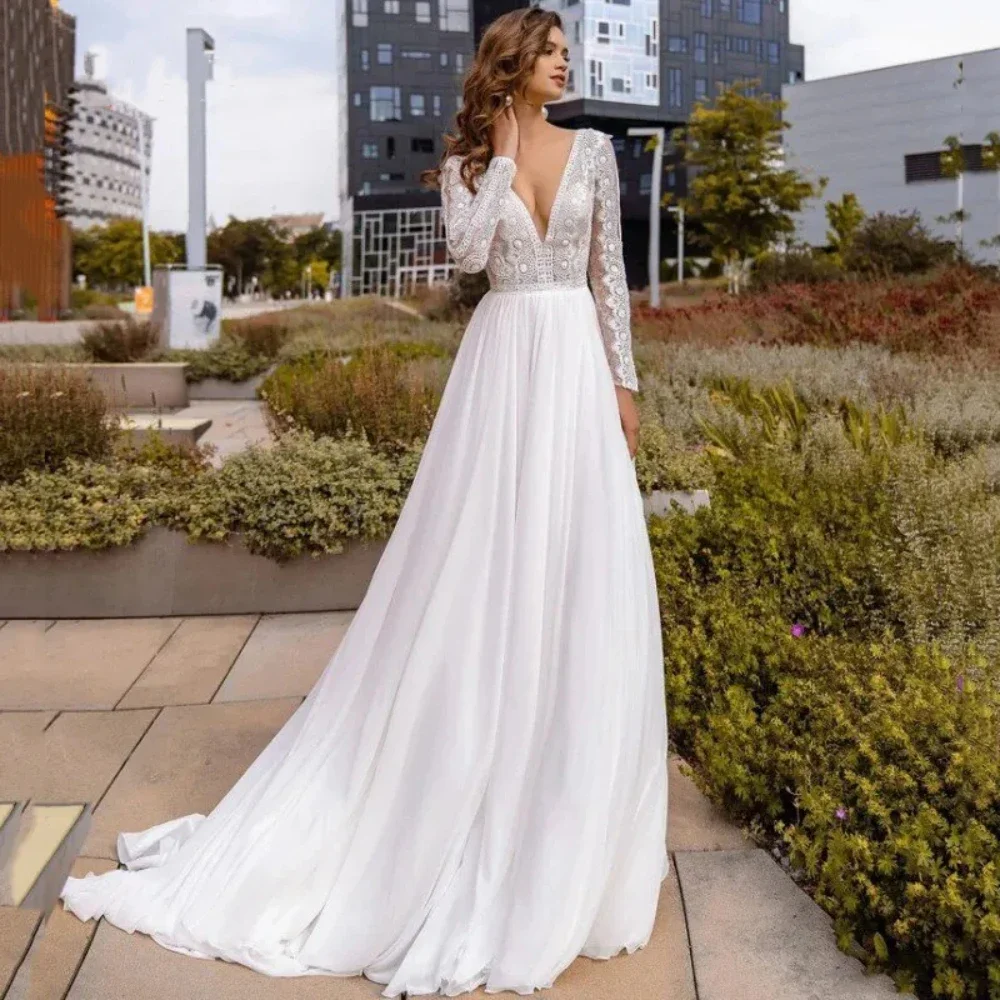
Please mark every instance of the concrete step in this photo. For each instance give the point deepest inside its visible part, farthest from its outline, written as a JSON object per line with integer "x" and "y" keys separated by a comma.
{"x": 174, "y": 430}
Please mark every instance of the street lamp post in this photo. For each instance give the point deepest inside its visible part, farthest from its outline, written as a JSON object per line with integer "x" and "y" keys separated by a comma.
{"x": 200, "y": 53}
{"x": 678, "y": 210}
{"x": 654, "y": 211}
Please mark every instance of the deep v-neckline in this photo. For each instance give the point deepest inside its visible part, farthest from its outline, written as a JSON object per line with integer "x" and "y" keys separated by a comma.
{"x": 558, "y": 195}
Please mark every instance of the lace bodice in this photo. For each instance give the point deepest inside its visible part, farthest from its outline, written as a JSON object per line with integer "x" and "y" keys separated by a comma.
{"x": 493, "y": 229}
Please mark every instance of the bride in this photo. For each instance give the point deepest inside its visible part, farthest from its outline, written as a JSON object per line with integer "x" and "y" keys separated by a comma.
{"x": 474, "y": 792}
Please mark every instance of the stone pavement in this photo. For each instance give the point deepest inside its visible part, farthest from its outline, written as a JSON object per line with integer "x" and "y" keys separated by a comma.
{"x": 154, "y": 718}
{"x": 236, "y": 424}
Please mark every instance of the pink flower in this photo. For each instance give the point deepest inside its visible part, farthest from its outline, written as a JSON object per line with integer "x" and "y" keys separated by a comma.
{"x": 798, "y": 630}
{"x": 841, "y": 814}
{"x": 960, "y": 684}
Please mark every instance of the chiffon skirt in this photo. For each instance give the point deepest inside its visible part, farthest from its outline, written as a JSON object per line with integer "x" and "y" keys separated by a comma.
{"x": 474, "y": 792}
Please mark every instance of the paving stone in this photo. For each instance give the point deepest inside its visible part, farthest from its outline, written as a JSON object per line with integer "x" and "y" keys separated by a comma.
{"x": 757, "y": 936}
{"x": 56, "y": 954}
{"x": 190, "y": 667}
{"x": 696, "y": 823}
{"x": 17, "y": 927}
{"x": 285, "y": 656}
{"x": 73, "y": 759}
{"x": 190, "y": 757}
{"x": 134, "y": 966}
{"x": 76, "y": 664}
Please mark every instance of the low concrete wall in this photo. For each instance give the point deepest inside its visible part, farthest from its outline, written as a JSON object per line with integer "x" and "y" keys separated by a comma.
{"x": 140, "y": 385}
{"x": 165, "y": 574}
{"x": 217, "y": 388}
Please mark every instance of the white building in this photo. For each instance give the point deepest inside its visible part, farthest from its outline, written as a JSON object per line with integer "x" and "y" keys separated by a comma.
{"x": 614, "y": 50}
{"x": 880, "y": 135}
{"x": 106, "y": 176}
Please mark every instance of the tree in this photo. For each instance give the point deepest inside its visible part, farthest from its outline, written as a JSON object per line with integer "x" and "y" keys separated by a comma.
{"x": 247, "y": 248}
{"x": 845, "y": 218}
{"x": 110, "y": 257}
{"x": 991, "y": 161}
{"x": 741, "y": 196}
{"x": 953, "y": 166}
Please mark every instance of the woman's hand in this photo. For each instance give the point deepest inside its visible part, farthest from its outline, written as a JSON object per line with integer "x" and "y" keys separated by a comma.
{"x": 629, "y": 414}
{"x": 504, "y": 134}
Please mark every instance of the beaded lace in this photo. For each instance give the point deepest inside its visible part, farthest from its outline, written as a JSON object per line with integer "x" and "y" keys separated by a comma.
{"x": 493, "y": 229}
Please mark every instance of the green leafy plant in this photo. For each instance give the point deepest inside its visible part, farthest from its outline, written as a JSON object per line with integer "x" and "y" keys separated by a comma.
{"x": 120, "y": 341}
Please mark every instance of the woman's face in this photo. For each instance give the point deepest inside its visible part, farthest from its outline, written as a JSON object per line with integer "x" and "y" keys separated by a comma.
{"x": 548, "y": 78}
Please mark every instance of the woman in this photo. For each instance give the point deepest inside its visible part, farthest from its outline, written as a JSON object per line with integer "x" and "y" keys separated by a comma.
{"x": 474, "y": 792}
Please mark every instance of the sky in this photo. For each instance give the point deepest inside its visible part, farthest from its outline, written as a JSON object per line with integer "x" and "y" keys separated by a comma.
{"x": 273, "y": 132}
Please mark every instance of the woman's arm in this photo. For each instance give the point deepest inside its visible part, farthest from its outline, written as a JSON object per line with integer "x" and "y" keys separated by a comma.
{"x": 606, "y": 269}
{"x": 470, "y": 220}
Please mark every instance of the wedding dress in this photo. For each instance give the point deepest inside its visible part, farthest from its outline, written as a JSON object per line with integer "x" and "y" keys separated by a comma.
{"x": 474, "y": 792}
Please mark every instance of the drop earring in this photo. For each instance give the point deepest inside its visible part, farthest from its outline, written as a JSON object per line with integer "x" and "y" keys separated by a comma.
{"x": 545, "y": 111}
{"x": 509, "y": 101}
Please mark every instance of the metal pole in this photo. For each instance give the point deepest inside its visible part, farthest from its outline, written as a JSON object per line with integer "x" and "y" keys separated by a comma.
{"x": 680, "y": 245}
{"x": 654, "y": 211}
{"x": 144, "y": 189}
{"x": 199, "y": 44}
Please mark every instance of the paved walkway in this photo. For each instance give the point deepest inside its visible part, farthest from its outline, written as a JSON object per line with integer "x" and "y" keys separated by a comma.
{"x": 154, "y": 718}
{"x": 70, "y": 331}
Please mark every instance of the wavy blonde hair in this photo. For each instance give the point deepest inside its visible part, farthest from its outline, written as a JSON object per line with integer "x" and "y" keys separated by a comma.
{"x": 502, "y": 65}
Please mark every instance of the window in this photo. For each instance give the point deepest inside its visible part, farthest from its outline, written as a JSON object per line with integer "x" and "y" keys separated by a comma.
{"x": 774, "y": 53}
{"x": 621, "y": 85}
{"x": 645, "y": 183}
{"x": 384, "y": 104}
{"x": 748, "y": 11}
{"x": 453, "y": 15}
{"x": 390, "y": 147}
{"x": 384, "y": 54}
{"x": 415, "y": 54}
{"x": 706, "y": 8}
{"x": 716, "y": 51}
{"x": 391, "y": 6}
{"x": 604, "y": 32}
{"x": 570, "y": 81}
{"x": 618, "y": 144}
{"x": 675, "y": 87}
{"x": 700, "y": 88}
{"x": 423, "y": 11}
{"x": 576, "y": 32}
{"x": 700, "y": 47}
{"x": 726, "y": 8}
{"x": 369, "y": 150}
{"x": 357, "y": 99}
{"x": 418, "y": 106}
{"x": 459, "y": 62}
{"x": 677, "y": 43}
{"x": 653, "y": 38}
{"x": 437, "y": 105}
{"x": 359, "y": 12}
{"x": 637, "y": 148}
{"x": 596, "y": 78}
{"x": 421, "y": 145}
{"x": 619, "y": 29}
{"x": 652, "y": 81}
{"x": 444, "y": 58}
{"x": 365, "y": 59}
{"x": 390, "y": 177}
{"x": 781, "y": 6}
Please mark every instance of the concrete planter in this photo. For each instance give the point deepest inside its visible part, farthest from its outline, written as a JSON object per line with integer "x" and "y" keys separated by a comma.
{"x": 662, "y": 502}
{"x": 165, "y": 574}
{"x": 138, "y": 385}
{"x": 217, "y": 388}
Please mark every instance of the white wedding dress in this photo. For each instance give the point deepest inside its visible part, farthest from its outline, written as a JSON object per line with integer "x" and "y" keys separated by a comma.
{"x": 474, "y": 792}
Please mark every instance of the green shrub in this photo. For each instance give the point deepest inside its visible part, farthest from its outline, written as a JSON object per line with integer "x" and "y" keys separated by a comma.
{"x": 120, "y": 341}
{"x": 261, "y": 336}
{"x": 825, "y": 623}
{"x": 886, "y": 244}
{"x": 48, "y": 415}
{"x": 798, "y": 265}
{"x": 305, "y": 495}
{"x": 227, "y": 360}
{"x": 391, "y": 401}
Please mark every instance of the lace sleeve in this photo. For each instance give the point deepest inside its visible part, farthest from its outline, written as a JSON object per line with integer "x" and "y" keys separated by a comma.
{"x": 470, "y": 221}
{"x": 606, "y": 269}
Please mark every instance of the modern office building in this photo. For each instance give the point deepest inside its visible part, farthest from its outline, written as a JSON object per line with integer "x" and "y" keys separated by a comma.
{"x": 106, "y": 161}
{"x": 37, "y": 52}
{"x": 633, "y": 62}
{"x": 880, "y": 135}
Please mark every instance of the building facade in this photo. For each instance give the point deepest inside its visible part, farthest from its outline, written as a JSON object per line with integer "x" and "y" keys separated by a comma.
{"x": 106, "y": 160}
{"x": 632, "y": 62}
{"x": 37, "y": 53}
{"x": 880, "y": 135}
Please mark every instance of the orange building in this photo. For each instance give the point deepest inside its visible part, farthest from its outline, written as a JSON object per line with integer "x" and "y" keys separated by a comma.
{"x": 37, "y": 55}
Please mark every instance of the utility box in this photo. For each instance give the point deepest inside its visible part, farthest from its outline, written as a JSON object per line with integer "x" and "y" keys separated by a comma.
{"x": 187, "y": 306}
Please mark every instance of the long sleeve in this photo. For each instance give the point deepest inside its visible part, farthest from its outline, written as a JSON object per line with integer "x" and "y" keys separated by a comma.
{"x": 606, "y": 269}
{"x": 470, "y": 221}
